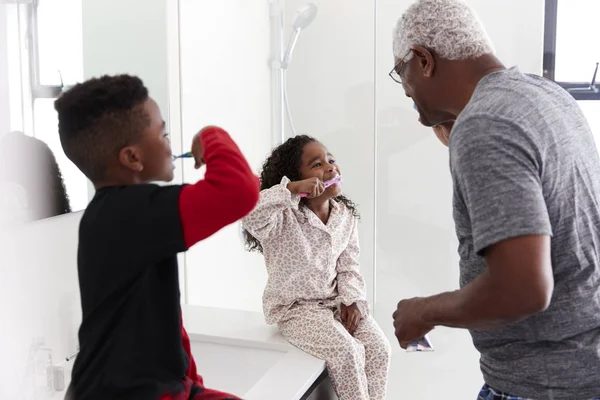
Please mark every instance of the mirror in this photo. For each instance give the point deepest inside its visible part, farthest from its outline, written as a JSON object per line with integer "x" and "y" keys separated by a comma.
{"x": 48, "y": 46}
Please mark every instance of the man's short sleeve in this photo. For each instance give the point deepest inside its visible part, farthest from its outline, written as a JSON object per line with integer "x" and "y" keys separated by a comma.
{"x": 496, "y": 169}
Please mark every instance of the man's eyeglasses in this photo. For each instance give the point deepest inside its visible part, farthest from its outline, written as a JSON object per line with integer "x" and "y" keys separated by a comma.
{"x": 396, "y": 72}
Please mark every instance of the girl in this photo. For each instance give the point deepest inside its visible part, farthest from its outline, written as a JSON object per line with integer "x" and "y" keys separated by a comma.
{"x": 315, "y": 292}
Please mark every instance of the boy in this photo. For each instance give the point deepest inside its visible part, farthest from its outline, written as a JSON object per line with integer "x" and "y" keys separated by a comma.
{"x": 132, "y": 341}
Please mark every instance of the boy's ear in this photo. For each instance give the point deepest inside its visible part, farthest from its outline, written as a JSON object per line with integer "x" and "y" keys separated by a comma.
{"x": 130, "y": 158}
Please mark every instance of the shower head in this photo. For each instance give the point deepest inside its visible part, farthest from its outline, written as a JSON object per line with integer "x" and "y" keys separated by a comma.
{"x": 304, "y": 16}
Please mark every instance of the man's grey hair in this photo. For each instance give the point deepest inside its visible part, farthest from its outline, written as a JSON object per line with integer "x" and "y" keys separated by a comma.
{"x": 448, "y": 27}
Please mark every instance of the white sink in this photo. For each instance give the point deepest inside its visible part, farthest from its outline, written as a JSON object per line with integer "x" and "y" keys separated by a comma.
{"x": 233, "y": 369}
{"x": 237, "y": 352}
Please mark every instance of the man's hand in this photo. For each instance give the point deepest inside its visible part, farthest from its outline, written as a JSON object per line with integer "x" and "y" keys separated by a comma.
{"x": 408, "y": 321}
{"x": 350, "y": 316}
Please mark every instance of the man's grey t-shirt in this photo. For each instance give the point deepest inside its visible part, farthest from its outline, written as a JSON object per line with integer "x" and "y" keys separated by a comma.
{"x": 524, "y": 162}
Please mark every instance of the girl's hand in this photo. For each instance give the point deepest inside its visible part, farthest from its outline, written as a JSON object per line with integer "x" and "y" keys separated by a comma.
{"x": 313, "y": 186}
{"x": 350, "y": 316}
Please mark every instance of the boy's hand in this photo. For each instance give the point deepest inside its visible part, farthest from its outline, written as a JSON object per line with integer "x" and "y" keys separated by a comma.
{"x": 197, "y": 150}
{"x": 313, "y": 186}
{"x": 350, "y": 316}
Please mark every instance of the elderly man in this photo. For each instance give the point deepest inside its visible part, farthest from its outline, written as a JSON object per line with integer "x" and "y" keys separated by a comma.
{"x": 526, "y": 178}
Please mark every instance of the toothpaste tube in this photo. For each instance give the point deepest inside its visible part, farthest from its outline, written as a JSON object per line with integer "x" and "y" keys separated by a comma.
{"x": 422, "y": 344}
{"x": 326, "y": 184}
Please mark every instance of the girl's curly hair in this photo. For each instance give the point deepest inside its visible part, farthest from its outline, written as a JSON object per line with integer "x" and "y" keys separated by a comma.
{"x": 41, "y": 178}
{"x": 285, "y": 160}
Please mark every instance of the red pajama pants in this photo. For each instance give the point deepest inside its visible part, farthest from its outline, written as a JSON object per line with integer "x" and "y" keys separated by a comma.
{"x": 193, "y": 384}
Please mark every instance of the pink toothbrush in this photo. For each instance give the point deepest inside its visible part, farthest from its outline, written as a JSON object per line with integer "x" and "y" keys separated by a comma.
{"x": 328, "y": 183}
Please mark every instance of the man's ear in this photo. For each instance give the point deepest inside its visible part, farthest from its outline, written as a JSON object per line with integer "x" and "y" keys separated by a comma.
{"x": 425, "y": 60}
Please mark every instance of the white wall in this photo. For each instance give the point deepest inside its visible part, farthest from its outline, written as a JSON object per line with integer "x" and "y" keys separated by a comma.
{"x": 340, "y": 91}
{"x": 121, "y": 36}
{"x": 591, "y": 109}
{"x": 331, "y": 88}
{"x": 4, "y": 98}
{"x": 39, "y": 294}
{"x": 225, "y": 80}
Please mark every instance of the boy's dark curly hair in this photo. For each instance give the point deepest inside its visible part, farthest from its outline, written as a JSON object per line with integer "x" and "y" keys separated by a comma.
{"x": 285, "y": 160}
{"x": 98, "y": 117}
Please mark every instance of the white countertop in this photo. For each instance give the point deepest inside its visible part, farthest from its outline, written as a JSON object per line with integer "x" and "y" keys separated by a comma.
{"x": 289, "y": 378}
{"x": 237, "y": 327}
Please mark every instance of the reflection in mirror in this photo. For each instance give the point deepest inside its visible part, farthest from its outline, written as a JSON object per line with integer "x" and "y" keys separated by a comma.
{"x": 43, "y": 56}
{"x": 49, "y": 46}
{"x": 32, "y": 186}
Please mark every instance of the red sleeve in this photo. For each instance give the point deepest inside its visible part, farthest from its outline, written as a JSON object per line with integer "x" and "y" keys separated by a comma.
{"x": 227, "y": 193}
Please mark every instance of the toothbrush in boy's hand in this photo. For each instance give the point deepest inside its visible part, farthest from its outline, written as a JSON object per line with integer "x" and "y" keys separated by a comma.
{"x": 184, "y": 155}
{"x": 326, "y": 184}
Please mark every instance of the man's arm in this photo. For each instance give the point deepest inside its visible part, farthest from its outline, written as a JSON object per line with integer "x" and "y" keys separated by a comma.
{"x": 496, "y": 167}
{"x": 517, "y": 283}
